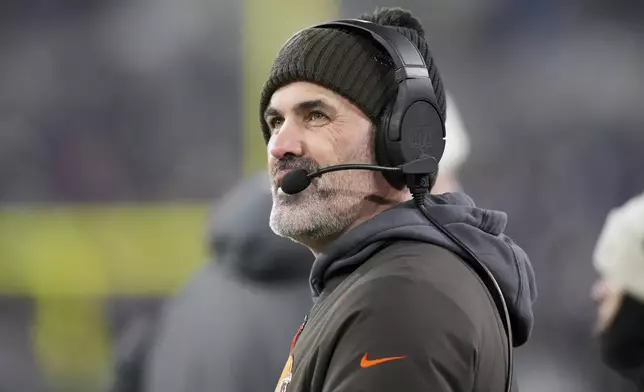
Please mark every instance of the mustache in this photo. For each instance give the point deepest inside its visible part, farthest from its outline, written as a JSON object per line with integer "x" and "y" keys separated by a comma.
{"x": 293, "y": 163}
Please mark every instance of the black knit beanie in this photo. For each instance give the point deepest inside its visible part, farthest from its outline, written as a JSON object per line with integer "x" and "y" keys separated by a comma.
{"x": 349, "y": 64}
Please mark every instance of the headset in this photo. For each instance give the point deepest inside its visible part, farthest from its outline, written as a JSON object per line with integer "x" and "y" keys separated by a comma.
{"x": 410, "y": 142}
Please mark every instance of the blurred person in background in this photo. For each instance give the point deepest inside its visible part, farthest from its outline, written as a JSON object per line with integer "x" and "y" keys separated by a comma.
{"x": 230, "y": 327}
{"x": 619, "y": 259}
{"x": 457, "y": 149}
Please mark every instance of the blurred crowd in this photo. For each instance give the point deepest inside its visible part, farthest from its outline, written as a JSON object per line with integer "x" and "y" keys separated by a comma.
{"x": 142, "y": 102}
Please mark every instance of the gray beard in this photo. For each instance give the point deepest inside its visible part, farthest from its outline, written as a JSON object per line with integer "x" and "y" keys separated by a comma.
{"x": 313, "y": 215}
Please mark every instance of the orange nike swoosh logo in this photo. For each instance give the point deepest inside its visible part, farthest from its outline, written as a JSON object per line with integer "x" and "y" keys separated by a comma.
{"x": 367, "y": 363}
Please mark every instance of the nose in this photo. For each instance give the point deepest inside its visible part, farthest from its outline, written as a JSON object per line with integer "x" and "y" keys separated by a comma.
{"x": 599, "y": 291}
{"x": 288, "y": 141}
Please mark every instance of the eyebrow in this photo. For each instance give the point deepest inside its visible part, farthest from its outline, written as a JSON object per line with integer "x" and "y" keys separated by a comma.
{"x": 303, "y": 106}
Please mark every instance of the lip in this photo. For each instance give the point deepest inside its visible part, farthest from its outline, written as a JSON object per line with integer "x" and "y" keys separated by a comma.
{"x": 280, "y": 176}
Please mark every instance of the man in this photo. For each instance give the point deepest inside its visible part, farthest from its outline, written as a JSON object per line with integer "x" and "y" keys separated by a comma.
{"x": 396, "y": 305}
{"x": 619, "y": 258}
{"x": 230, "y": 327}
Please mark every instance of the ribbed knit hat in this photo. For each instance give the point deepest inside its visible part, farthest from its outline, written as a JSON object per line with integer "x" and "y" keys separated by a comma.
{"x": 349, "y": 64}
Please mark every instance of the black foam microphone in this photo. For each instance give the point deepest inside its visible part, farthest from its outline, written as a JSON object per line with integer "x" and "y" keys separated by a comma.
{"x": 298, "y": 180}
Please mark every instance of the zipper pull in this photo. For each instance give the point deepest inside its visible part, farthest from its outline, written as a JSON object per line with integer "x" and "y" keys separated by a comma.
{"x": 299, "y": 331}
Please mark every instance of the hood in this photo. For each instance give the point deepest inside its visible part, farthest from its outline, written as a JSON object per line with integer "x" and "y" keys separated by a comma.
{"x": 241, "y": 240}
{"x": 479, "y": 229}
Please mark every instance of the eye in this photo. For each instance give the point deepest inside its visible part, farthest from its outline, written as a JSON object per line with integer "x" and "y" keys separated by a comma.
{"x": 317, "y": 115}
{"x": 275, "y": 122}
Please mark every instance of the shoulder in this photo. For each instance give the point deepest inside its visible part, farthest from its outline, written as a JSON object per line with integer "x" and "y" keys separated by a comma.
{"x": 217, "y": 319}
{"x": 216, "y": 300}
{"x": 431, "y": 270}
{"x": 426, "y": 286}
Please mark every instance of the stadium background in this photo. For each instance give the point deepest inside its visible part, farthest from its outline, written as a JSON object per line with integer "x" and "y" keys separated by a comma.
{"x": 122, "y": 122}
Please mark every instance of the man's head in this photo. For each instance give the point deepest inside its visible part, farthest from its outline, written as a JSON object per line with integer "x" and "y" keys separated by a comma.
{"x": 321, "y": 106}
{"x": 619, "y": 259}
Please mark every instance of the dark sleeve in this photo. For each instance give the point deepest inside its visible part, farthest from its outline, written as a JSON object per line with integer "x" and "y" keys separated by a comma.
{"x": 622, "y": 343}
{"x": 425, "y": 340}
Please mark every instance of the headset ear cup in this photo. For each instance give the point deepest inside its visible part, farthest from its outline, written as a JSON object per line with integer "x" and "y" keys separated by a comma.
{"x": 383, "y": 150}
{"x": 382, "y": 156}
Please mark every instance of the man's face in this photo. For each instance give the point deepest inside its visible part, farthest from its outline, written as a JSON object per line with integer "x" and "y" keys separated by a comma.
{"x": 312, "y": 127}
{"x": 608, "y": 303}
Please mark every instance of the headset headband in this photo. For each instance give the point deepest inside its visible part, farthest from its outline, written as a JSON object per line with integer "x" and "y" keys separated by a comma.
{"x": 408, "y": 61}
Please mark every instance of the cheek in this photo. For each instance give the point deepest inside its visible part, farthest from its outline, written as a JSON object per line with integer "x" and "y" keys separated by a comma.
{"x": 357, "y": 147}
{"x": 607, "y": 309}
{"x": 270, "y": 164}
{"x": 339, "y": 143}
{"x": 321, "y": 147}
{"x": 342, "y": 140}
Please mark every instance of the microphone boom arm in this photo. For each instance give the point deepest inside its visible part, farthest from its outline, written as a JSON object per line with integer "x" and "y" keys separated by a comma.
{"x": 329, "y": 169}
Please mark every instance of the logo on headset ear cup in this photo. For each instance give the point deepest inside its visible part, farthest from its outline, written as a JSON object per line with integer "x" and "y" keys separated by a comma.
{"x": 422, "y": 133}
